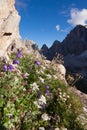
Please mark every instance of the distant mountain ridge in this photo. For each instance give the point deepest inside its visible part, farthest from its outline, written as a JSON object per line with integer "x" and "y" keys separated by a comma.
{"x": 74, "y": 43}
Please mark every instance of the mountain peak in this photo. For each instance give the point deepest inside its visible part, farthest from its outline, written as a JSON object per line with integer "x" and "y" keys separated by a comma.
{"x": 44, "y": 46}
{"x": 79, "y": 28}
{"x": 76, "y": 41}
{"x": 44, "y": 49}
{"x": 55, "y": 43}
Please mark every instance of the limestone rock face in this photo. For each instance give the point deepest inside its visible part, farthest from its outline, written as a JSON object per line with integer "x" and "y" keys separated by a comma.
{"x": 32, "y": 48}
{"x": 61, "y": 71}
{"x": 9, "y": 25}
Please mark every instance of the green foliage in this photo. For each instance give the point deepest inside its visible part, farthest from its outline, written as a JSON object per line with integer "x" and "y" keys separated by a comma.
{"x": 26, "y": 103}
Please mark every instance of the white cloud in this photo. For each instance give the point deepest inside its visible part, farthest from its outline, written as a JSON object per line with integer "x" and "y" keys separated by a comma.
{"x": 57, "y": 27}
{"x": 78, "y": 17}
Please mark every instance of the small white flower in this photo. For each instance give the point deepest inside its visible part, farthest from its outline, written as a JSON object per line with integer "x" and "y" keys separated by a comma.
{"x": 24, "y": 89}
{"x": 45, "y": 117}
{"x": 68, "y": 96}
{"x": 37, "y": 104}
{"x": 41, "y": 102}
{"x": 49, "y": 76}
{"x": 41, "y": 128}
{"x": 60, "y": 93}
{"x": 34, "y": 86}
{"x": 64, "y": 94}
{"x": 69, "y": 106}
{"x": 41, "y": 79}
{"x": 9, "y": 114}
{"x": 42, "y": 99}
{"x": 26, "y": 75}
{"x": 43, "y": 67}
{"x": 57, "y": 129}
{"x": 64, "y": 99}
{"x": 60, "y": 96}
{"x": 55, "y": 77}
{"x": 63, "y": 128}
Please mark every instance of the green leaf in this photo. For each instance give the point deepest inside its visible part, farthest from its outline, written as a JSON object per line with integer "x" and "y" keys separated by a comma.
{"x": 1, "y": 102}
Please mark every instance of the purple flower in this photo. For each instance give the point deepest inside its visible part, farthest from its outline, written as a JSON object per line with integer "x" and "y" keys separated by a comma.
{"x": 11, "y": 67}
{"x": 5, "y": 67}
{"x": 47, "y": 87}
{"x": 47, "y": 91}
{"x": 37, "y": 63}
{"x": 16, "y": 62}
{"x": 19, "y": 54}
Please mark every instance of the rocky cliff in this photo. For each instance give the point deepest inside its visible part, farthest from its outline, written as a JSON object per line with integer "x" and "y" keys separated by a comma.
{"x": 9, "y": 26}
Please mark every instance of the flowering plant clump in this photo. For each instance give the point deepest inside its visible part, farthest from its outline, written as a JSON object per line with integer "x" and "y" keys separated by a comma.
{"x": 29, "y": 100}
{"x": 8, "y": 67}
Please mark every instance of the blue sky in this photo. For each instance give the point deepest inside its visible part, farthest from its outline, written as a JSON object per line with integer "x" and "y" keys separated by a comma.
{"x": 44, "y": 21}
